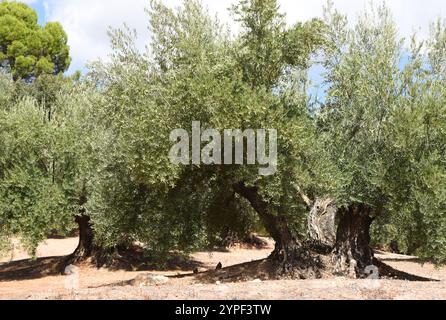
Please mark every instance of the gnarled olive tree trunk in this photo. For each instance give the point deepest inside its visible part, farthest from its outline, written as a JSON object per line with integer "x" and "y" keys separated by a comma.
{"x": 290, "y": 256}
{"x": 352, "y": 254}
{"x": 322, "y": 224}
{"x": 87, "y": 248}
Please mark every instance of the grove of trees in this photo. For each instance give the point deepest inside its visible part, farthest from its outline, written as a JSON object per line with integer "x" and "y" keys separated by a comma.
{"x": 94, "y": 152}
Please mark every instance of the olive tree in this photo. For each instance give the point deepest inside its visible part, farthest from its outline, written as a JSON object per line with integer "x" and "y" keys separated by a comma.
{"x": 195, "y": 72}
{"x": 43, "y": 168}
{"x": 377, "y": 122}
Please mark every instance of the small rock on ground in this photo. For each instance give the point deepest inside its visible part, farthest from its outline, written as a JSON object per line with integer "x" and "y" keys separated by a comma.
{"x": 145, "y": 280}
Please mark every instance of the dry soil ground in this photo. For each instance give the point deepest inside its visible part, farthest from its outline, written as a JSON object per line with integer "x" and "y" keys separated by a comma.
{"x": 91, "y": 283}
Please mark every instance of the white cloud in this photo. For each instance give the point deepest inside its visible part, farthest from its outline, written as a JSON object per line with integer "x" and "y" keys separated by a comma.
{"x": 86, "y": 21}
{"x": 409, "y": 15}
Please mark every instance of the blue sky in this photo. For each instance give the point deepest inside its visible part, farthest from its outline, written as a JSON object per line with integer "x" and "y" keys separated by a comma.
{"x": 38, "y": 5}
{"x": 87, "y": 21}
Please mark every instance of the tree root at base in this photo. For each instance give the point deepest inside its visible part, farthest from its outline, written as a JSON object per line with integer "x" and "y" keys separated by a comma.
{"x": 387, "y": 272}
{"x": 269, "y": 269}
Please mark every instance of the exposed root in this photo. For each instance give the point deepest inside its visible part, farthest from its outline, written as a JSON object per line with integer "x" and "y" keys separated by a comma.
{"x": 295, "y": 261}
{"x": 387, "y": 272}
{"x": 297, "y": 265}
{"x": 269, "y": 269}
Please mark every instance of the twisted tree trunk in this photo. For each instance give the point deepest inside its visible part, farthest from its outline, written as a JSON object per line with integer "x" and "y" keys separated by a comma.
{"x": 86, "y": 247}
{"x": 352, "y": 254}
{"x": 290, "y": 256}
{"x": 322, "y": 224}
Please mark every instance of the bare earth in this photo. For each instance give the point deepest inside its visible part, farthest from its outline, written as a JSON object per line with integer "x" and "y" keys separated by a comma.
{"x": 92, "y": 284}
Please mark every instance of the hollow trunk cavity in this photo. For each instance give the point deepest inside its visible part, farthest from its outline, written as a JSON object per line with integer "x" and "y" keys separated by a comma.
{"x": 322, "y": 224}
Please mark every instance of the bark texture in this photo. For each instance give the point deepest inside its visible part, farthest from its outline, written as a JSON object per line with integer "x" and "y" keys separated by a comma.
{"x": 290, "y": 258}
{"x": 87, "y": 249}
{"x": 352, "y": 254}
{"x": 322, "y": 223}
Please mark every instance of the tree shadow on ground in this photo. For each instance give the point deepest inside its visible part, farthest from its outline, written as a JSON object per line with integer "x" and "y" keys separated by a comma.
{"x": 30, "y": 269}
{"x": 388, "y": 272}
{"x": 251, "y": 242}
{"x": 409, "y": 259}
{"x": 134, "y": 261}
